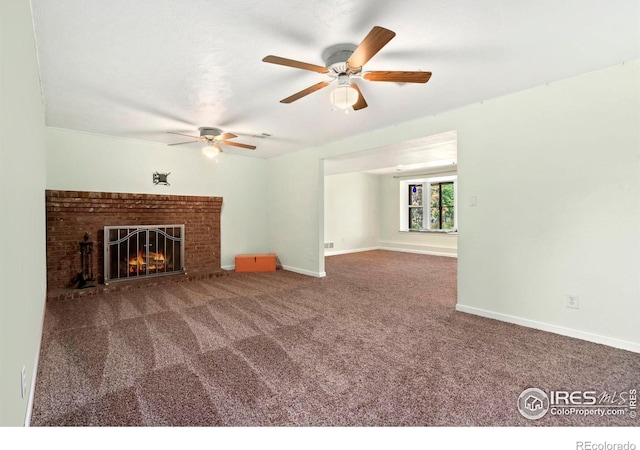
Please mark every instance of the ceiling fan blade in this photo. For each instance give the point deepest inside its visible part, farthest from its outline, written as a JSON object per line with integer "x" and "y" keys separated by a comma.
{"x": 398, "y": 77}
{"x": 377, "y": 38}
{"x": 180, "y": 143}
{"x": 296, "y": 64}
{"x": 237, "y": 144}
{"x": 218, "y": 146}
{"x": 225, "y": 136}
{"x": 304, "y": 92}
{"x": 182, "y": 134}
{"x": 361, "y": 103}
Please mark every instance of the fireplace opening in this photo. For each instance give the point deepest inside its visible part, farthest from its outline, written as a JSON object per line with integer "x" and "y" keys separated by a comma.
{"x": 133, "y": 252}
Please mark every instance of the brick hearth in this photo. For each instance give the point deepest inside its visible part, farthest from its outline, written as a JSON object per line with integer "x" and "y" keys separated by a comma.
{"x": 71, "y": 214}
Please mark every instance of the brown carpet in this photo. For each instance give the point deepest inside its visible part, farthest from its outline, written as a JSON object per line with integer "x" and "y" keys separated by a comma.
{"x": 375, "y": 343}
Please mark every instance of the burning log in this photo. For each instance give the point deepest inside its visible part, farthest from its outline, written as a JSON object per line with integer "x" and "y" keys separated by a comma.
{"x": 140, "y": 263}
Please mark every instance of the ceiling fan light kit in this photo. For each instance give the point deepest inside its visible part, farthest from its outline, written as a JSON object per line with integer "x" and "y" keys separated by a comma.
{"x": 344, "y": 97}
{"x": 211, "y": 150}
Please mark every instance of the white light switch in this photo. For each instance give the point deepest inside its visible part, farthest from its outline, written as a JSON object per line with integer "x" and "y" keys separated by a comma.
{"x": 473, "y": 200}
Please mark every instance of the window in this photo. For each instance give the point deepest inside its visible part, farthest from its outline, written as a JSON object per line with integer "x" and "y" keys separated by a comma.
{"x": 442, "y": 206}
{"x": 416, "y": 208}
{"x": 428, "y": 204}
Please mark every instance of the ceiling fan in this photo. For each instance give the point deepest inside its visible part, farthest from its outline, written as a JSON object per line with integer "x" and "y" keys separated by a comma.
{"x": 344, "y": 63}
{"x": 213, "y": 137}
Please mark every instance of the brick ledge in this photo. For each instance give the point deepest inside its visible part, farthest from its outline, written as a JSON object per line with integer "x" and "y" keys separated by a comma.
{"x": 101, "y": 289}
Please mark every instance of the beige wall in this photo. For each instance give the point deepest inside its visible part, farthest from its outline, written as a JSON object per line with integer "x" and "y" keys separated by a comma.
{"x": 351, "y": 212}
{"x": 22, "y": 213}
{"x": 88, "y": 162}
{"x": 556, "y": 172}
{"x": 542, "y": 164}
{"x": 295, "y": 185}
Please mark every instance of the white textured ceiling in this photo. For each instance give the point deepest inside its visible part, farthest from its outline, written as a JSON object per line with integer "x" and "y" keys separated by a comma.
{"x": 439, "y": 150}
{"x": 137, "y": 69}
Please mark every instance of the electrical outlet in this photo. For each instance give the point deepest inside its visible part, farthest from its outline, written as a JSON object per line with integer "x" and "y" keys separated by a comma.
{"x": 572, "y": 301}
{"x": 23, "y": 381}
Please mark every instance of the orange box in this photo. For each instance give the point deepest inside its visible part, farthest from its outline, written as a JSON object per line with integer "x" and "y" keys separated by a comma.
{"x": 265, "y": 262}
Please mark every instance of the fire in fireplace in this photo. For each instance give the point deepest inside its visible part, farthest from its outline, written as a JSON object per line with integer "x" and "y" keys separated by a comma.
{"x": 151, "y": 261}
{"x": 142, "y": 251}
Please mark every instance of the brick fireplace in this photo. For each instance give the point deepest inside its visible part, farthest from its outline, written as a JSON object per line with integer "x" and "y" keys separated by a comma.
{"x": 71, "y": 214}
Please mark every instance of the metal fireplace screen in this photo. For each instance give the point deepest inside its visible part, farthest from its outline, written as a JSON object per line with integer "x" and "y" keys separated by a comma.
{"x": 132, "y": 252}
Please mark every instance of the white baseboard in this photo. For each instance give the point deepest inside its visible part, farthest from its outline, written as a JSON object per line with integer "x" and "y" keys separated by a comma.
{"x": 421, "y": 252}
{"x": 303, "y": 271}
{"x": 289, "y": 268}
{"x": 391, "y": 249}
{"x": 570, "y": 332}
{"x": 32, "y": 391}
{"x": 32, "y": 387}
{"x": 344, "y": 252}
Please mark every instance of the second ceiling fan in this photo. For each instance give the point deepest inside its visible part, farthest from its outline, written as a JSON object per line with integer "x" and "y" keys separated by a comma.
{"x": 345, "y": 64}
{"x": 213, "y": 137}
